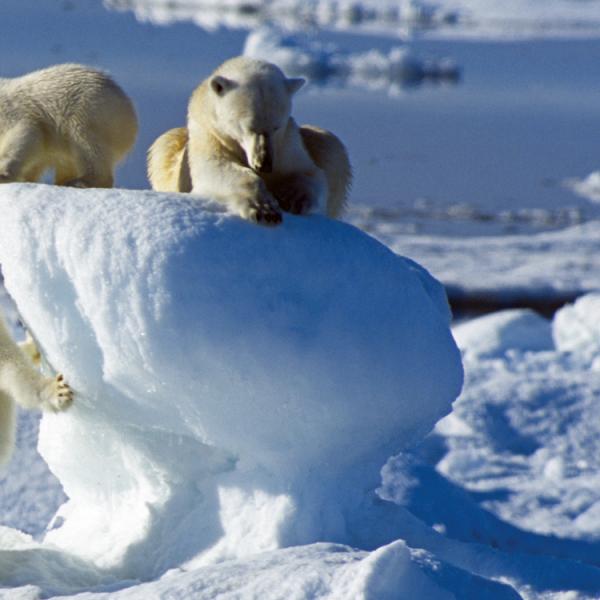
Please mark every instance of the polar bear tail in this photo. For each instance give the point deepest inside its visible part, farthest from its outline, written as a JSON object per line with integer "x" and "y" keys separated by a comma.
{"x": 7, "y": 427}
{"x": 329, "y": 154}
{"x": 168, "y": 168}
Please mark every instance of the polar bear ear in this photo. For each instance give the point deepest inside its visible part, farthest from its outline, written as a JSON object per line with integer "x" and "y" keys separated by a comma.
{"x": 294, "y": 84}
{"x": 221, "y": 85}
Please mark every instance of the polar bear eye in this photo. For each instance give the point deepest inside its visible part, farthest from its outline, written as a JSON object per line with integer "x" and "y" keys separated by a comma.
{"x": 220, "y": 85}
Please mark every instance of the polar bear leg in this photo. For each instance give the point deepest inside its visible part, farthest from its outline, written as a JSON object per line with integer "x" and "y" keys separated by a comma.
{"x": 238, "y": 187}
{"x": 7, "y": 427}
{"x": 90, "y": 166}
{"x": 330, "y": 155}
{"x": 29, "y": 348}
{"x": 19, "y": 147}
{"x": 21, "y": 383}
{"x": 24, "y": 384}
{"x": 299, "y": 193}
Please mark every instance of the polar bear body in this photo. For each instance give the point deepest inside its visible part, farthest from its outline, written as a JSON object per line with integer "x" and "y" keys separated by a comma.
{"x": 242, "y": 147}
{"x": 69, "y": 118}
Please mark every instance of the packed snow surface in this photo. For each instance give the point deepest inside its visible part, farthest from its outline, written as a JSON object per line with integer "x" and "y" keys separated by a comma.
{"x": 238, "y": 387}
{"x": 528, "y": 421}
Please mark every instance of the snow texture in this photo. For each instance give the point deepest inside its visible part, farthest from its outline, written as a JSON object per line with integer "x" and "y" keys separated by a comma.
{"x": 527, "y": 421}
{"x": 238, "y": 387}
{"x": 576, "y": 329}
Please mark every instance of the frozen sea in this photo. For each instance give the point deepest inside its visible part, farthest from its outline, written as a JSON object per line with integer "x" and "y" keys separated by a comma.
{"x": 488, "y": 178}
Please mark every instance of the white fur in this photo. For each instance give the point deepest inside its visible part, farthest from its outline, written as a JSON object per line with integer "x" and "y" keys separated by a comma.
{"x": 69, "y": 118}
{"x": 21, "y": 383}
{"x": 243, "y": 148}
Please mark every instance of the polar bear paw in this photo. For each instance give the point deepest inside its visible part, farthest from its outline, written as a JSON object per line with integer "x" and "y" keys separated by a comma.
{"x": 264, "y": 211}
{"x": 56, "y": 394}
{"x": 295, "y": 194}
{"x": 296, "y": 201}
{"x": 77, "y": 183}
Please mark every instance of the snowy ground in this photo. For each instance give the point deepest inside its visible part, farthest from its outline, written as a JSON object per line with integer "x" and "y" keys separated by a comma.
{"x": 504, "y": 489}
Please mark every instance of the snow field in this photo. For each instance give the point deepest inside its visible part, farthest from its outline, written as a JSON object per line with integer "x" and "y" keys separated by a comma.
{"x": 527, "y": 420}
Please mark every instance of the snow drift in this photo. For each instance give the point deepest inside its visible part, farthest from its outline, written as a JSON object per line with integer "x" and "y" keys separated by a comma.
{"x": 238, "y": 387}
{"x": 527, "y": 421}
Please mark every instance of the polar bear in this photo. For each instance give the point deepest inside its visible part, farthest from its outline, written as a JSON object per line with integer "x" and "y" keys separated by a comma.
{"x": 69, "y": 118}
{"x": 242, "y": 147}
{"x": 21, "y": 383}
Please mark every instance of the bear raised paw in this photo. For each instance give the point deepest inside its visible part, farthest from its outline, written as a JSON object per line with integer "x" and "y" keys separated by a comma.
{"x": 69, "y": 118}
{"x": 242, "y": 147}
{"x": 55, "y": 394}
{"x": 22, "y": 384}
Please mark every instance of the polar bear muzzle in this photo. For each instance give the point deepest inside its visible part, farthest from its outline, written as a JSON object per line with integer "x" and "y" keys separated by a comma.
{"x": 260, "y": 153}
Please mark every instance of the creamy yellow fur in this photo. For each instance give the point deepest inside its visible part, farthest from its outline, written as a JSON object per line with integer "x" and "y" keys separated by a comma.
{"x": 168, "y": 168}
{"x": 20, "y": 383}
{"x": 238, "y": 123}
{"x": 69, "y": 118}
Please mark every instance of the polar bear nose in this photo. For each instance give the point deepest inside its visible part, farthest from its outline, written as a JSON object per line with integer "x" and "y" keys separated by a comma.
{"x": 263, "y": 154}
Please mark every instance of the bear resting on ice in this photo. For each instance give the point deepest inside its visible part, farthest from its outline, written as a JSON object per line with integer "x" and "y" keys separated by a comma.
{"x": 242, "y": 147}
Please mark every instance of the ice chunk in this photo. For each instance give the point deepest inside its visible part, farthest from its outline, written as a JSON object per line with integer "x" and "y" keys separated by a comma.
{"x": 495, "y": 334}
{"x": 576, "y": 327}
{"x": 238, "y": 387}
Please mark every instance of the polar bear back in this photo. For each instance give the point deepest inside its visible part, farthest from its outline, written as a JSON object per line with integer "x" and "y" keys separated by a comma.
{"x": 67, "y": 99}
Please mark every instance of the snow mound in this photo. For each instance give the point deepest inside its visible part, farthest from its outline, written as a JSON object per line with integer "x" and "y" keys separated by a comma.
{"x": 319, "y": 570}
{"x": 300, "y": 56}
{"x": 576, "y": 327}
{"x": 527, "y": 421}
{"x": 238, "y": 387}
{"x": 495, "y": 334}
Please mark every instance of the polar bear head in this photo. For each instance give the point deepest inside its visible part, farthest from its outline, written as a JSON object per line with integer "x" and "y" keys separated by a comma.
{"x": 251, "y": 101}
